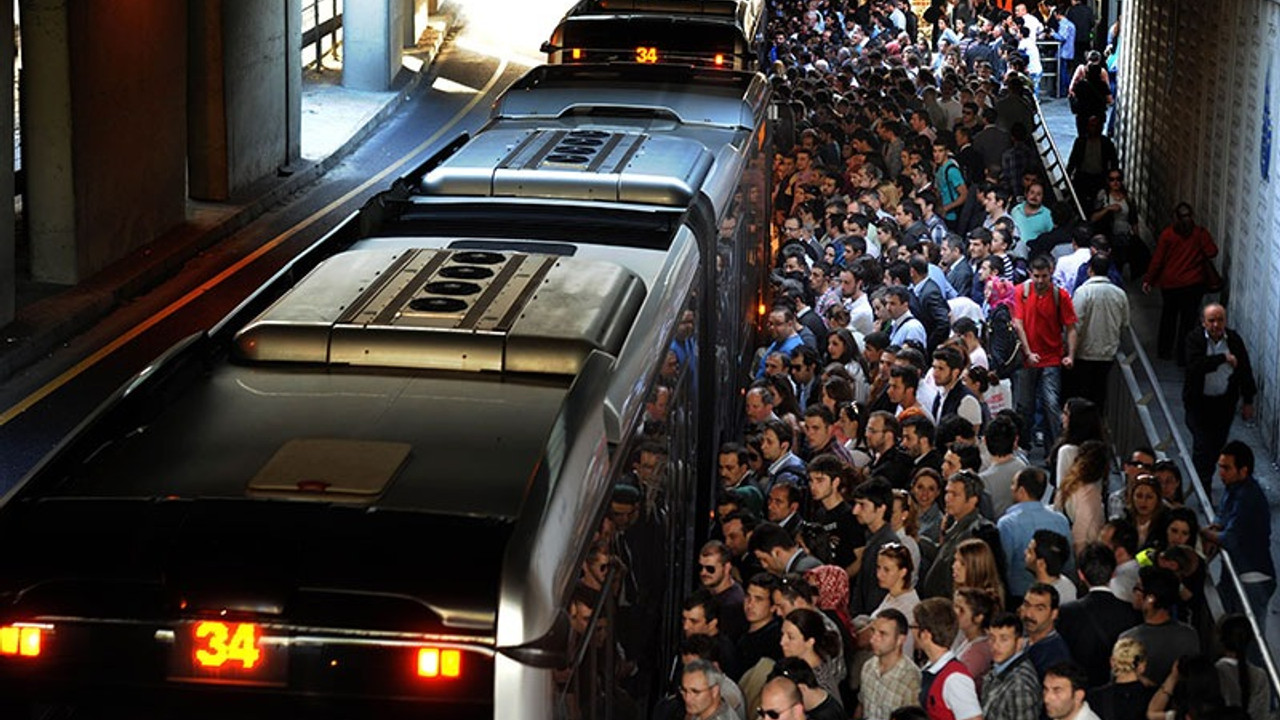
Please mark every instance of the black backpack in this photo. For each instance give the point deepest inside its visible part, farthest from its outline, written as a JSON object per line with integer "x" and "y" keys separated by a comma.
{"x": 1004, "y": 349}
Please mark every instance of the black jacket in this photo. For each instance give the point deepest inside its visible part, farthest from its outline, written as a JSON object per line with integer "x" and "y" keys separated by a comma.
{"x": 1091, "y": 626}
{"x": 1200, "y": 363}
{"x": 960, "y": 275}
{"x": 936, "y": 314}
{"x": 896, "y": 466}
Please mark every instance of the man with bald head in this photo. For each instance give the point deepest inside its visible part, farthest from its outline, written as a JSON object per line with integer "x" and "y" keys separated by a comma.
{"x": 1218, "y": 377}
{"x": 781, "y": 700}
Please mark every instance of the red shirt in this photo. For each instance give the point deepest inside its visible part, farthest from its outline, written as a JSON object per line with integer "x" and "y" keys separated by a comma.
{"x": 1179, "y": 261}
{"x": 1044, "y": 321}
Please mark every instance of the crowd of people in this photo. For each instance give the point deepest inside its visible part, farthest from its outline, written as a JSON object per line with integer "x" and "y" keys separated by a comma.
{"x": 925, "y": 516}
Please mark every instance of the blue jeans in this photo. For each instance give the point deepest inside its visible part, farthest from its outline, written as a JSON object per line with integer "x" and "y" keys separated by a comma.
{"x": 1041, "y": 387}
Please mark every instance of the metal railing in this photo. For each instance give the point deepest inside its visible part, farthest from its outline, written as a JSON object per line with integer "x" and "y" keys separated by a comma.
{"x": 321, "y": 30}
{"x": 1055, "y": 166}
{"x": 1148, "y": 420}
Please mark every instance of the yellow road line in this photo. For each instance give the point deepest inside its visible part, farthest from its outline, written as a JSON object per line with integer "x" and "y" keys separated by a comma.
{"x": 51, "y": 386}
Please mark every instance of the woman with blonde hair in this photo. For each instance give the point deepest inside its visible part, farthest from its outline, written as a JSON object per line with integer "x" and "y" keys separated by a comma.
{"x": 1126, "y": 697}
{"x": 975, "y": 567}
{"x": 890, "y": 194}
{"x": 1080, "y": 493}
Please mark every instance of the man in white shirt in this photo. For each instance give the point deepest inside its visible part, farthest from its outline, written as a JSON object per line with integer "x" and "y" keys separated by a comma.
{"x": 1031, "y": 22}
{"x": 953, "y": 396}
{"x": 905, "y": 326}
{"x": 862, "y": 318}
{"x": 1067, "y": 268}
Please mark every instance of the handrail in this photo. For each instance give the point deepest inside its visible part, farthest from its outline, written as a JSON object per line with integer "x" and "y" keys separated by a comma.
{"x": 1057, "y": 158}
{"x": 1142, "y": 402}
{"x": 1141, "y": 407}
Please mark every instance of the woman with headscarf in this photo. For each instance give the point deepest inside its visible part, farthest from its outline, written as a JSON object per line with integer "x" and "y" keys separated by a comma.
{"x": 832, "y": 585}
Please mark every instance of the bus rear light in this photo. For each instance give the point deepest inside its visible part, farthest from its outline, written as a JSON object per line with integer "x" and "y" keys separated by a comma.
{"x": 576, "y": 53}
{"x": 21, "y": 640}
{"x": 435, "y": 663}
{"x": 719, "y": 59}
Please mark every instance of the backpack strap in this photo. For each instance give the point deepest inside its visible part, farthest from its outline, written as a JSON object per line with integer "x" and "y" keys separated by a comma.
{"x": 1057, "y": 296}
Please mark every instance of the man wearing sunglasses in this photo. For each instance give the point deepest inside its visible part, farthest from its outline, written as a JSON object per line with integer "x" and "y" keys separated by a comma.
{"x": 780, "y": 700}
{"x": 715, "y": 572}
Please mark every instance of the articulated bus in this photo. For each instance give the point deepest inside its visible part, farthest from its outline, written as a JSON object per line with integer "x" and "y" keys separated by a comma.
{"x": 370, "y": 490}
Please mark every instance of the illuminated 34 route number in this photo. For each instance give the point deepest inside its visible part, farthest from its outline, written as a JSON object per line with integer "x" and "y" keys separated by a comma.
{"x": 219, "y": 643}
{"x": 646, "y": 54}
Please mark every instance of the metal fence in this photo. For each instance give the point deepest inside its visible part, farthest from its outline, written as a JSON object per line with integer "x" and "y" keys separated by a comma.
{"x": 1140, "y": 415}
{"x": 1055, "y": 163}
{"x": 321, "y": 31}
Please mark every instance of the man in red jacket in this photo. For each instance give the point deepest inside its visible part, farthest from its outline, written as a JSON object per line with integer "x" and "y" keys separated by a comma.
{"x": 1178, "y": 269}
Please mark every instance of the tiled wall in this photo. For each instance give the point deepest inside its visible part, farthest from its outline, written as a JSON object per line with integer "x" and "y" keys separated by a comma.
{"x": 1199, "y": 105}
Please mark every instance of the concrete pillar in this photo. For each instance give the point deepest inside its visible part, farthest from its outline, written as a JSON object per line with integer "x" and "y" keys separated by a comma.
{"x": 372, "y": 41}
{"x": 416, "y": 13}
{"x": 103, "y": 130}
{"x": 8, "y": 246}
{"x": 244, "y": 93}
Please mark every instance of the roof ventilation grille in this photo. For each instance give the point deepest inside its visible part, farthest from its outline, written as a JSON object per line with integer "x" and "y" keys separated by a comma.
{"x": 437, "y": 304}
{"x": 451, "y": 287}
{"x": 466, "y": 272}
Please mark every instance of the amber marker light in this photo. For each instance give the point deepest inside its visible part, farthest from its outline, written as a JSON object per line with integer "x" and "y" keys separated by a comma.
{"x": 577, "y": 53}
{"x": 435, "y": 663}
{"x": 21, "y": 640}
{"x": 719, "y": 59}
